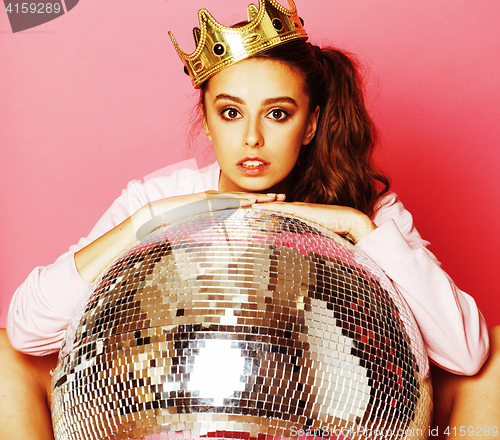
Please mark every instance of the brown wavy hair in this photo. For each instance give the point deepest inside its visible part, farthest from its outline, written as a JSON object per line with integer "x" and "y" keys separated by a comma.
{"x": 337, "y": 166}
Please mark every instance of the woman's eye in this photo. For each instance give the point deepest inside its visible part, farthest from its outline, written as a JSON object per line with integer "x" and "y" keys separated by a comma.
{"x": 278, "y": 114}
{"x": 230, "y": 113}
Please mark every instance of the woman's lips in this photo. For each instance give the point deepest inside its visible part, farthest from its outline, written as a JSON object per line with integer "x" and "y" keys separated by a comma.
{"x": 252, "y": 166}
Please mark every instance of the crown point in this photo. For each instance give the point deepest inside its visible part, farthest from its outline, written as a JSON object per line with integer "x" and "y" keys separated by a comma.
{"x": 203, "y": 17}
{"x": 252, "y": 12}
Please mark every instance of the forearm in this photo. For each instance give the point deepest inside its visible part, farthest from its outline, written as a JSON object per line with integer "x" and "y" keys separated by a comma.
{"x": 95, "y": 257}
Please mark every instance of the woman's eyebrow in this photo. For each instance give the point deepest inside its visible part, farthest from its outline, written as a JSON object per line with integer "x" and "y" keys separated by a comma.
{"x": 279, "y": 99}
{"x": 268, "y": 101}
{"x": 228, "y": 98}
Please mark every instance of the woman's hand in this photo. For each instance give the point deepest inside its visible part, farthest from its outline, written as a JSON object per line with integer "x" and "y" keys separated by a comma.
{"x": 166, "y": 211}
{"x": 342, "y": 220}
{"x": 91, "y": 260}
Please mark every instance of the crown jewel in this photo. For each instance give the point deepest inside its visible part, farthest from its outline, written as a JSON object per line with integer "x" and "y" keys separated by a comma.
{"x": 218, "y": 46}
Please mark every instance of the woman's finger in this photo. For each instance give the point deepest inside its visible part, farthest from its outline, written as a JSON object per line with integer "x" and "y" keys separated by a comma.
{"x": 254, "y": 197}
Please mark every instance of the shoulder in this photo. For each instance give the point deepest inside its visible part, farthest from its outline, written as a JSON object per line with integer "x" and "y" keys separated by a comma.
{"x": 390, "y": 207}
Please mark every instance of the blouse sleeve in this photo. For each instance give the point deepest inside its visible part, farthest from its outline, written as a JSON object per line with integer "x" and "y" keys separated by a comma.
{"x": 454, "y": 330}
{"x": 44, "y": 304}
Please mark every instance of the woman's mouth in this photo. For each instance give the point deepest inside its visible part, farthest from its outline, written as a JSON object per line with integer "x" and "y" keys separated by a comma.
{"x": 252, "y": 167}
{"x": 252, "y": 163}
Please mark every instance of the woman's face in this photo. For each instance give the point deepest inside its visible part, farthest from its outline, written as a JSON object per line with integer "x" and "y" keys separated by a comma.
{"x": 257, "y": 117}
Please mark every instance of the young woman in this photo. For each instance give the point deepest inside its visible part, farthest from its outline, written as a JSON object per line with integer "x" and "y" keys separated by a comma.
{"x": 291, "y": 134}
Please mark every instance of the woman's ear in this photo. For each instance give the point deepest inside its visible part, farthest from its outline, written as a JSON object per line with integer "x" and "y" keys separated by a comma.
{"x": 205, "y": 123}
{"x": 311, "y": 127}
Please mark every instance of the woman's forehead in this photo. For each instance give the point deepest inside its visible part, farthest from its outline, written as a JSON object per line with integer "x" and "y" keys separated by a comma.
{"x": 258, "y": 78}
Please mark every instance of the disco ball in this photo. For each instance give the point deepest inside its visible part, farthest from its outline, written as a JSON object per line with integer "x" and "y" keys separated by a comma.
{"x": 242, "y": 324}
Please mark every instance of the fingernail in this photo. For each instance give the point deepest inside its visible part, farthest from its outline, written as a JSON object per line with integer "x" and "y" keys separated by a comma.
{"x": 271, "y": 194}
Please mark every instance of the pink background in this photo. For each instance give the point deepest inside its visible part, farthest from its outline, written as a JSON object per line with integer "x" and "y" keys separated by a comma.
{"x": 98, "y": 97}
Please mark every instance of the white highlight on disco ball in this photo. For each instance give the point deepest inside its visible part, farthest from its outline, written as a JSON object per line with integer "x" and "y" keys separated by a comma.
{"x": 214, "y": 379}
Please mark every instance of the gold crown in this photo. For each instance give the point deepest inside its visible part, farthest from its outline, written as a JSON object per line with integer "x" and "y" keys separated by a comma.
{"x": 218, "y": 47}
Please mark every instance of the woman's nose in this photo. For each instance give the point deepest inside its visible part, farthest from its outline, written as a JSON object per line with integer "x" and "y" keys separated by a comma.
{"x": 253, "y": 135}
